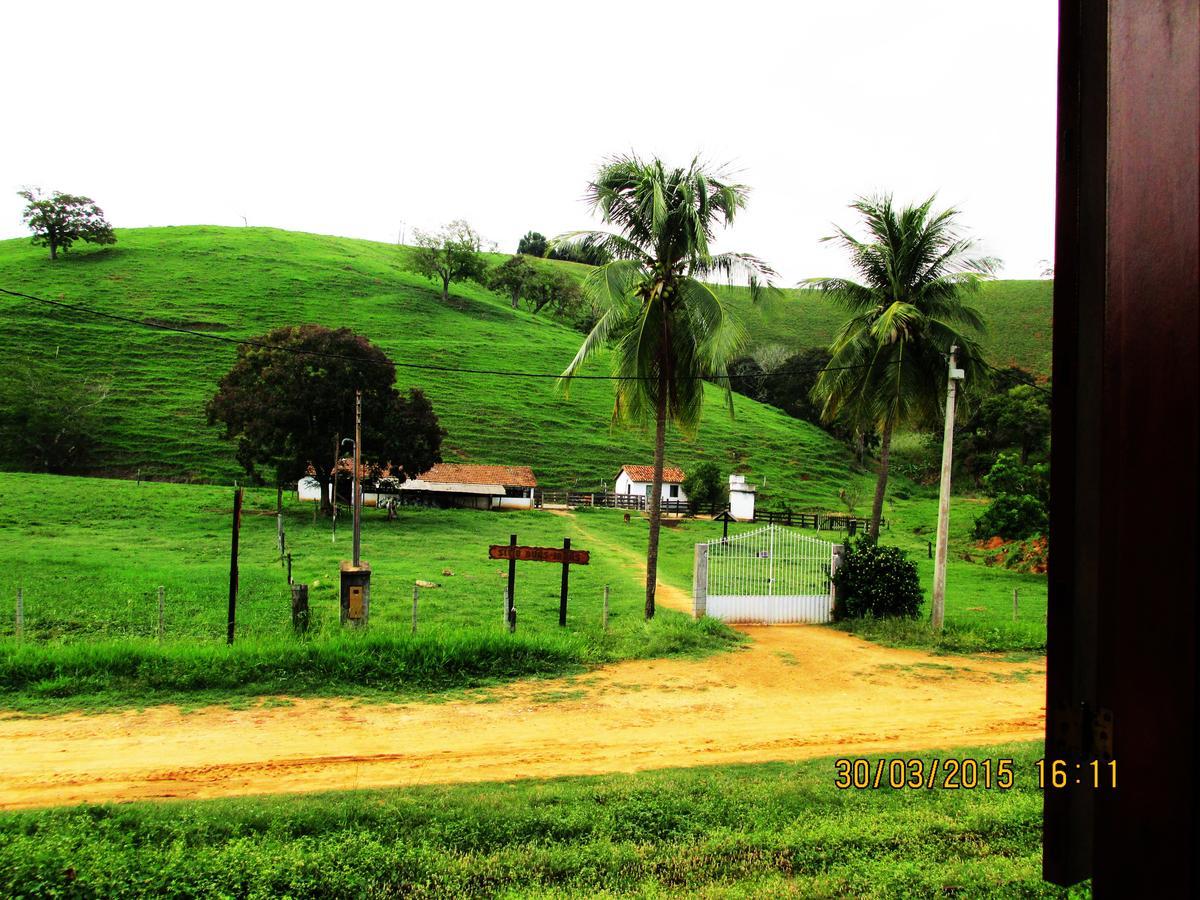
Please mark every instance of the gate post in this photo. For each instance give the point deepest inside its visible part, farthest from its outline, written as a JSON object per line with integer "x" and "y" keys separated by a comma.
{"x": 837, "y": 553}
{"x": 700, "y": 581}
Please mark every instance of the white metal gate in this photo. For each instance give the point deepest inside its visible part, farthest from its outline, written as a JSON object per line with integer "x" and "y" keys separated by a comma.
{"x": 771, "y": 574}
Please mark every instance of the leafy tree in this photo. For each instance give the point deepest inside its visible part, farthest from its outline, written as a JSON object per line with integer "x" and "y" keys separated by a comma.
{"x": 791, "y": 389}
{"x": 1018, "y": 417}
{"x": 61, "y": 219}
{"x": 48, "y": 419}
{"x": 512, "y": 277}
{"x": 746, "y": 376}
{"x": 534, "y": 243}
{"x": 888, "y": 366}
{"x": 666, "y": 326}
{"x": 556, "y": 290}
{"x": 705, "y": 488}
{"x": 286, "y": 402}
{"x": 452, "y": 254}
{"x": 1020, "y": 499}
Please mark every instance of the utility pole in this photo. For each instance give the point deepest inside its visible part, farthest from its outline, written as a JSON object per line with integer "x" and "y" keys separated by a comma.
{"x": 357, "y": 483}
{"x": 938, "y": 612}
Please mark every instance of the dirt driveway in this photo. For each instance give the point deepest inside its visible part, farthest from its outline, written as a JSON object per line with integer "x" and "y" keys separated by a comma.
{"x": 795, "y": 692}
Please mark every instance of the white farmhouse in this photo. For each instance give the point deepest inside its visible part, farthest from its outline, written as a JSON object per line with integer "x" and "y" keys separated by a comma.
{"x": 481, "y": 487}
{"x": 638, "y": 480}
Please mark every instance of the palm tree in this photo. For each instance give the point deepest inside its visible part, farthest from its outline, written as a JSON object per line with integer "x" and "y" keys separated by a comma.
{"x": 889, "y": 359}
{"x": 667, "y": 328}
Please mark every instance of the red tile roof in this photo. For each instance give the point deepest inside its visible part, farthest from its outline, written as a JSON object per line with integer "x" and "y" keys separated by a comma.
{"x": 671, "y": 474}
{"x": 454, "y": 473}
{"x": 462, "y": 473}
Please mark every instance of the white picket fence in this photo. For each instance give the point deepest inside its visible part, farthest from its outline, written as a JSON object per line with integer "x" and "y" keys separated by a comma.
{"x": 772, "y": 574}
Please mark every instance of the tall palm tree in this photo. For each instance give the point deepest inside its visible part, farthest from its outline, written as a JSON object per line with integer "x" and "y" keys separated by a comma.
{"x": 666, "y": 326}
{"x": 889, "y": 359}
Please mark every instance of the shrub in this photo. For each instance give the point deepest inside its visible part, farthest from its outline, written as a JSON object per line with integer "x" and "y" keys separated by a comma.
{"x": 876, "y": 581}
{"x": 1012, "y": 517}
{"x": 1020, "y": 495}
{"x": 705, "y": 488}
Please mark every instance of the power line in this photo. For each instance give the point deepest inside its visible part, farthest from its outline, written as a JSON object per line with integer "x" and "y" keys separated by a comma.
{"x": 432, "y": 367}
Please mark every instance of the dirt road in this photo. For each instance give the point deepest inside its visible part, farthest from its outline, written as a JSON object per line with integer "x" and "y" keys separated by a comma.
{"x": 795, "y": 692}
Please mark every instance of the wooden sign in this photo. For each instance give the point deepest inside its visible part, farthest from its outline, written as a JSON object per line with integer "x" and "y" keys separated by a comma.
{"x": 539, "y": 554}
{"x": 563, "y": 555}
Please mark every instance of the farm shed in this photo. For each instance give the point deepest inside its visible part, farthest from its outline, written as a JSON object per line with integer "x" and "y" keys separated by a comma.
{"x": 639, "y": 480}
{"x": 479, "y": 487}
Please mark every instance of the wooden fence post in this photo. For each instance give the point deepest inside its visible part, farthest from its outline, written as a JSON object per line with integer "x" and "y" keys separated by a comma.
{"x": 416, "y": 592}
{"x": 233, "y": 564}
{"x": 1014, "y": 604}
{"x": 562, "y": 596}
{"x": 20, "y": 617}
{"x": 160, "y": 612}
{"x": 604, "y": 614}
{"x": 300, "y": 608}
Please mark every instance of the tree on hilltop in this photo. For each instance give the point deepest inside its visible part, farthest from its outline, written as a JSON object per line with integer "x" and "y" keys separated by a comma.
{"x": 533, "y": 243}
{"x": 290, "y": 396}
{"x": 453, "y": 253}
{"x": 61, "y": 219}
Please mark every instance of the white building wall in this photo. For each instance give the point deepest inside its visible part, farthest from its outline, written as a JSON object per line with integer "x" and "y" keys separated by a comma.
{"x": 741, "y": 498}
{"x": 625, "y": 485}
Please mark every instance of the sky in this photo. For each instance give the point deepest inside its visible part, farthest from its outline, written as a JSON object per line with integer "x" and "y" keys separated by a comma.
{"x": 371, "y": 120}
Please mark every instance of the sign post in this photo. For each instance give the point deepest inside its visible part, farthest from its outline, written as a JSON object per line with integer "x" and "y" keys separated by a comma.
{"x": 563, "y": 555}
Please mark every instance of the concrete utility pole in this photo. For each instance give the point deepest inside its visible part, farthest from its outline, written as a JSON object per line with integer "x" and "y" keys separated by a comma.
{"x": 357, "y": 484}
{"x": 938, "y": 612}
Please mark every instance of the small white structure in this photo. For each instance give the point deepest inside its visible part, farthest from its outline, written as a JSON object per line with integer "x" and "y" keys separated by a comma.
{"x": 640, "y": 479}
{"x": 741, "y": 498}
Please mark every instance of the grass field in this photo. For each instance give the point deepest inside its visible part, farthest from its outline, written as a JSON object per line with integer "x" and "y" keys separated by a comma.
{"x": 753, "y": 830}
{"x": 90, "y": 554}
{"x": 243, "y": 282}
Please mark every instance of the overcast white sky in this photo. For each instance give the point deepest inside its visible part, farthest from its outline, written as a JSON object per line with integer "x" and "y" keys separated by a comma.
{"x": 361, "y": 119}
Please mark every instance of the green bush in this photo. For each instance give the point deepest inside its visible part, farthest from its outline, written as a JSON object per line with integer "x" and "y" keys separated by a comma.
{"x": 1020, "y": 497}
{"x": 876, "y": 581}
{"x": 1012, "y": 516}
{"x": 705, "y": 488}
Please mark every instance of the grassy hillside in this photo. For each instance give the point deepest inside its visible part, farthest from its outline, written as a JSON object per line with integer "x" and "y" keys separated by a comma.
{"x": 243, "y": 281}
{"x": 1018, "y": 314}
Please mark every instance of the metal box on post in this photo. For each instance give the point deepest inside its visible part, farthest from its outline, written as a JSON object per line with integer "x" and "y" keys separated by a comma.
{"x": 356, "y": 592}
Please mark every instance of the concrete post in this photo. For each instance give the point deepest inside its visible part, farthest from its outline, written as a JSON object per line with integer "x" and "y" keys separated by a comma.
{"x": 700, "y": 581}
{"x": 836, "y": 555}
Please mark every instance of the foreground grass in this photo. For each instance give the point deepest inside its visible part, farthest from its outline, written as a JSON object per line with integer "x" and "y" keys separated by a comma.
{"x": 752, "y": 830}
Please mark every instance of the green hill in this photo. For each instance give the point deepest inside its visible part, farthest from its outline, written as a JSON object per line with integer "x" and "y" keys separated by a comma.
{"x": 1018, "y": 314}
{"x": 240, "y": 282}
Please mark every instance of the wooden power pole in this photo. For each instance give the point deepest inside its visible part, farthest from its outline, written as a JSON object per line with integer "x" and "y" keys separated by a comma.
{"x": 357, "y": 483}
{"x": 938, "y": 612}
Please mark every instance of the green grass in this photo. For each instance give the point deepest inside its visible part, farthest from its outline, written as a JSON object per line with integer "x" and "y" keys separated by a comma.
{"x": 242, "y": 282}
{"x": 735, "y": 831}
{"x": 90, "y": 554}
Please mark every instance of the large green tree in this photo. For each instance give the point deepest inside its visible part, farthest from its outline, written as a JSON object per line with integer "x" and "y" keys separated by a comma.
{"x": 665, "y": 325}
{"x": 290, "y": 395}
{"x": 58, "y": 221}
{"x": 888, "y": 368}
{"x": 452, "y": 254}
